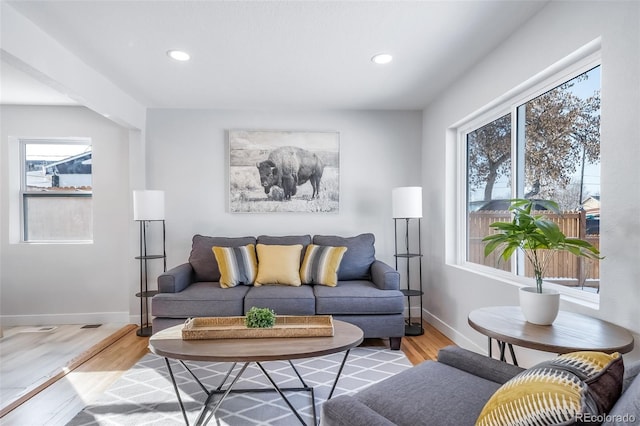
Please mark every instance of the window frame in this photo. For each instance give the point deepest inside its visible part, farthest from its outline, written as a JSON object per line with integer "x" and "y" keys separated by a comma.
{"x": 24, "y": 194}
{"x": 581, "y": 61}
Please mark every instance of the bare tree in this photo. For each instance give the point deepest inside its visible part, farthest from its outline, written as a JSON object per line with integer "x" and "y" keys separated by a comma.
{"x": 562, "y": 133}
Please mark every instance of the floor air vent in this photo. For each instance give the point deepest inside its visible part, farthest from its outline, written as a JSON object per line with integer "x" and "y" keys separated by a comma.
{"x": 91, "y": 326}
{"x": 44, "y": 329}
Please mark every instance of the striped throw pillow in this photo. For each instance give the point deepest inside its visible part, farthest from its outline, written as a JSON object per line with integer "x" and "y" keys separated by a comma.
{"x": 573, "y": 388}
{"x": 238, "y": 265}
{"x": 321, "y": 264}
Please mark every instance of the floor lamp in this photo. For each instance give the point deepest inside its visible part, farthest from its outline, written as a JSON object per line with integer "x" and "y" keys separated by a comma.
{"x": 148, "y": 207}
{"x": 407, "y": 204}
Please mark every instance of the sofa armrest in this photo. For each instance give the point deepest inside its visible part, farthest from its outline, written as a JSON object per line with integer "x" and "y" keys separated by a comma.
{"x": 477, "y": 364}
{"x": 348, "y": 411}
{"x": 384, "y": 276}
{"x": 175, "y": 279}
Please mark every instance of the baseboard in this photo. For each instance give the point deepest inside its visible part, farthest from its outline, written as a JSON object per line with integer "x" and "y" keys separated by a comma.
{"x": 53, "y": 319}
{"x": 453, "y": 334}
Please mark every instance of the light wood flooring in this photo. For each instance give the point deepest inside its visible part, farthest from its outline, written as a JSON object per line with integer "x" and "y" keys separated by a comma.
{"x": 60, "y": 401}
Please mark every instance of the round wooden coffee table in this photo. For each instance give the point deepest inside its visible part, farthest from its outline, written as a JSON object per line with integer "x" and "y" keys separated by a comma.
{"x": 169, "y": 344}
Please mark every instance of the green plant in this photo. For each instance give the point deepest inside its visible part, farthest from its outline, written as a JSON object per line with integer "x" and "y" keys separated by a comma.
{"x": 537, "y": 237}
{"x": 260, "y": 318}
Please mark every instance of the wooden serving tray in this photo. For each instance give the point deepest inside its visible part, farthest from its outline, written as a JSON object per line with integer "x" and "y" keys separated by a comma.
{"x": 234, "y": 328}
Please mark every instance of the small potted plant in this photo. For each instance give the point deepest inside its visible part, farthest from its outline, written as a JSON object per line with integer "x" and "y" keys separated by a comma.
{"x": 539, "y": 238}
{"x": 260, "y": 318}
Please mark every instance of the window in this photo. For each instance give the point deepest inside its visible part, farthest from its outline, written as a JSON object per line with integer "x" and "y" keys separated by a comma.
{"x": 547, "y": 146}
{"x": 56, "y": 190}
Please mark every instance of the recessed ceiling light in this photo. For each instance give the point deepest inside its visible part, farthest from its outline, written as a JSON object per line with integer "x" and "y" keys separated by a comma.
{"x": 179, "y": 55}
{"x": 382, "y": 58}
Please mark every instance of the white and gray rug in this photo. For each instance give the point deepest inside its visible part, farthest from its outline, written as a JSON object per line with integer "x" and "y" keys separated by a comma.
{"x": 144, "y": 395}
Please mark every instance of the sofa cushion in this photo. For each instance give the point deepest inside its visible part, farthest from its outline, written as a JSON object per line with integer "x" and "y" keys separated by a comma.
{"x": 321, "y": 264}
{"x": 284, "y": 300}
{"x": 570, "y": 388}
{"x": 418, "y": 396}
{"x": 238, "y": 265}
{"x": 627, "y": 409}
{"x": 203, "y": 261}
{"x": 360, "y": 254}
{"x": 376, "y": 326}
{"x": 286, "y": 240}
{"x": 357, "y": 297}
{"x": 201, "y": 299}
{"x": 278, "y": 264}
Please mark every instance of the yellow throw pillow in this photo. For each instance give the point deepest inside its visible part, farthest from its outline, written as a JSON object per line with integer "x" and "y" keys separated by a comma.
{"x": 569, "y": 389}
{"x": 321, "y": 264}
{"x": 238, "y": 265}
{"x": 278, "y": 264}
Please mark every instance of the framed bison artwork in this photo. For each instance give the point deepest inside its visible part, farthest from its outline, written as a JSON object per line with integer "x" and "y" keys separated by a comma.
{"x": 284, "y": 171}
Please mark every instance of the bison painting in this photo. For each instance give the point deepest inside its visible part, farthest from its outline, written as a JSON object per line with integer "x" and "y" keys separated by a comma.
{"x": 288, "y": 167}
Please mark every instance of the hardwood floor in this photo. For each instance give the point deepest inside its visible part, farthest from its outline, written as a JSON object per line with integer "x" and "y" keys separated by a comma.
{"x": 425, "y": 347}
{"x": 62, "y": 400}
{"x": 59, "y": 402}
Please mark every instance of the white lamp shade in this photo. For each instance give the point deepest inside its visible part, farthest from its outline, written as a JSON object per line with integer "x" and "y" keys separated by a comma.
{"x": 406, "y": 202}
{"x": 148, "y": 205}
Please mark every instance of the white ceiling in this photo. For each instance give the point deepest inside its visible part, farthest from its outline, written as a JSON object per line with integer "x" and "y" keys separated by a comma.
{"x": 273, "y": 54}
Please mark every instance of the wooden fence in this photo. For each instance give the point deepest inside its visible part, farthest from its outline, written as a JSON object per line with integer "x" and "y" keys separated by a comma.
{"x": 564, "y": 268}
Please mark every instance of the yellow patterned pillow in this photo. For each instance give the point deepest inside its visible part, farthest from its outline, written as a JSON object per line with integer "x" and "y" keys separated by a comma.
{"x": 278, "y": 264}
{"x": 238, "y": 265}
{"x": 321, "y": 264}
{"x": 572, "y": 388}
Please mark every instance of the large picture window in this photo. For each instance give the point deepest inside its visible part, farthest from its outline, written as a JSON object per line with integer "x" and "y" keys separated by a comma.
{"x": 56, "y": 190}
{"x": 546, "y": 148}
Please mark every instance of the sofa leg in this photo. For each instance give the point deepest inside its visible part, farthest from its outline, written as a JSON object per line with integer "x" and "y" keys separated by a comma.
{"x": 394, "y": 343}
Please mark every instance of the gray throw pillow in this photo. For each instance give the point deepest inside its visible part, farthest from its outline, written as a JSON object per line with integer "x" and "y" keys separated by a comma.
{"x": 202, "y": 259}
{"x": 356, "y": 262}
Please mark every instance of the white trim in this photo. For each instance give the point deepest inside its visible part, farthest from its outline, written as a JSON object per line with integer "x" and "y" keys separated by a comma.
{"x": 569, "y": 294}
{"x": 58, "y": 319}
{"x": 454, "y": 335}
{"x": 585, "y": 58}
{"x": 22, "y": 144}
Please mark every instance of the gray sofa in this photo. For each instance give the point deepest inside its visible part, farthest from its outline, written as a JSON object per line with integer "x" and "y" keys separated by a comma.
{"x": 367, "y": 294}
{"x": 451, "y": 391}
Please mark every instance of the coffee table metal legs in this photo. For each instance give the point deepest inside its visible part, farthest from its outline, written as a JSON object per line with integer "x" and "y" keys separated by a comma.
{"x": 283, "y": 396}
{"x": 207, "y": 412}
{"x": 175, "y": 388}
{"x": 502, "y": 346}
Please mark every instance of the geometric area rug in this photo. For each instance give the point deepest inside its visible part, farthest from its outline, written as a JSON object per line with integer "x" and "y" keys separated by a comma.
{"x": 144, "y": 395}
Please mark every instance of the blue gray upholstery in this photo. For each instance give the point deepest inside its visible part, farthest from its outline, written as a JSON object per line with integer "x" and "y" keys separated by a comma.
{"x": 356, "y": 262}
{"x": 449, "y": 392}
{"x": 288, "y": 240}
{"x": 367, "y": 293}
{"x": 203, "y": 261}
{"x": 627, "y": 409}
{"x": 357, "y": 297}
{"x": 202, "y": 299}
{"x": 284, "y": 300}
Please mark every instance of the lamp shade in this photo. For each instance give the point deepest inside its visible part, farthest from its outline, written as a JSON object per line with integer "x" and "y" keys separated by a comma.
{"x": 406, "y": 202}
{"x": 148, "y": 205}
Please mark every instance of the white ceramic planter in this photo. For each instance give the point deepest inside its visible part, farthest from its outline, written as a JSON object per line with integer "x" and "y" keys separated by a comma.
{"x": 539, "y": 308}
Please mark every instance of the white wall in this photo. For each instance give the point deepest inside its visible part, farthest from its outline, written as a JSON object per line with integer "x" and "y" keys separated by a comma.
{"x": 35, "y": 52}
{"x": 187, "y": 157}
{"x": 68, "y": 283}
{"x": 557, "y": 31}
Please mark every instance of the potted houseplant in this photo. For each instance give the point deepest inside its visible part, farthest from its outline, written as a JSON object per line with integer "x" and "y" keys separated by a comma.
{"x": 539, "y": 238}
{"x": 260, "y": 318}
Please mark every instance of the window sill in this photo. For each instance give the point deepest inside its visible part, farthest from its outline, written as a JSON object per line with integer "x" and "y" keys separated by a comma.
{"x": 570, "y": 295}
{"x": 61, "y": 242}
